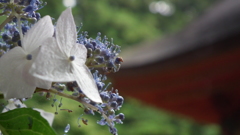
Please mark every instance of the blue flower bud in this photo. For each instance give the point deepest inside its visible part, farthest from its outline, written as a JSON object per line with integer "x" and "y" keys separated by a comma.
{"x": 121, "y": 116}
{"x": 38, "y": 16}
{"x": 120, "y": 100}
{"x": 100, "y": 59}
{"x": 16, "y": 36}
{"x": 113, "y": 104}
{"x": 118, "y": 60}
{"x": 89, "y": 45}
{"x": 25, "y": 29}
{"x": 5, "y": 37}
{"x": 29, "y": 9}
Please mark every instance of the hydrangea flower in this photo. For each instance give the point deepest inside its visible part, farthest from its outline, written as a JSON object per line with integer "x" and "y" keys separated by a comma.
{"x": 15, "y": 79}
{"x": 62, "y": 59}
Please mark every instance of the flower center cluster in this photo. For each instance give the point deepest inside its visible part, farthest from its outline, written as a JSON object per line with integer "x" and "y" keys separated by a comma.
{"x": 29, "y": 57}
{"x": 71, "y": 58}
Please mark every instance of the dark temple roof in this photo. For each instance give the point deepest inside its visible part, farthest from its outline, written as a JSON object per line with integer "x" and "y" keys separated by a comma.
{"x": 194, "y": 72}
{"x": 219, "y": 22}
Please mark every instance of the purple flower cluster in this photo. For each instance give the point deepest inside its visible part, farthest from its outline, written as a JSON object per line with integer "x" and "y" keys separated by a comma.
{"x": 31, "y": 6}
{"x": 26, "y": 10}
{"x": 112, "y": 101}
{"x": 10, "y": 36}
{"x": 101, "y": 52}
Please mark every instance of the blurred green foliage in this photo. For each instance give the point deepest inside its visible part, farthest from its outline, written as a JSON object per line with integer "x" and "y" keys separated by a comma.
{"x": 141, "y": 119}
{"x": 129, "y": 22}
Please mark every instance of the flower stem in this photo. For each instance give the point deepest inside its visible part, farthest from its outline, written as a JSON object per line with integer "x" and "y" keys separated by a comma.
{"x": 19, "y": 27}
{"x": 96, "y": 66}
{"x": 76, "y": 98}
{"x": 2, "y": 13}
{"x": 6, "y": 21}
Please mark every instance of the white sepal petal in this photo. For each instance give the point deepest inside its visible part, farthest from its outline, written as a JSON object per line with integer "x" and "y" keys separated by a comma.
{"x": 40, "y": 31}
{"x": 63, "y": 60}
{"x": 51, "y": 64}
{"x": 40, "y": 83}
{"x": 30, "y": 79}
{"x": 15, "y": 79}
{"x": 79, "y": 51}
{"x": 86, "y": 82}
{"x": 46, "y": 115}
{"x": 12, "y": 104}
{"x": 66, "y": 34}
{"x": 12, "y": 83}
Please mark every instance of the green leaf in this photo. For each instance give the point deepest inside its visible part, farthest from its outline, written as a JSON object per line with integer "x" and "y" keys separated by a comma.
{"x": 24, "y": 121}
